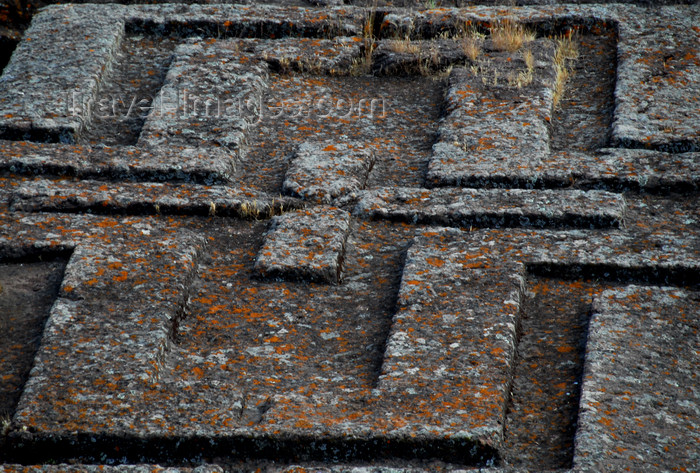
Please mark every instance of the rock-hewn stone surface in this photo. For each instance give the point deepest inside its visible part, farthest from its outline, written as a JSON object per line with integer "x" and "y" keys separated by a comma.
{"x": 659, "y": 83}
{"x": 324, "y": 172}
{"x": 206, "y": 98}
{"x": 290, "y": 284}
{"x": 452, "y": 344}
{"x": 306, "y": 244}
{"x": 639, "y": 399}
{"x": 42, "y": 102}
{"x": 501, "y": 207}
{"x": 494, "y": 128}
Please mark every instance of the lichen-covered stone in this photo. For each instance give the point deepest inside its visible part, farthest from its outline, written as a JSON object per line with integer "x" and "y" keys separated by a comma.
{"x": 308, "y": 244}
{"x": 322, "y": 172}
{"x": 494, "y": 127}
{"x": 494, "y": 207}
{"x": 311, "y": 55}
{"x": 453, "y": 336}
{"x": 48, "y": 88}
{"x": 147, "y": 198}
{"x": 658, "y": 85}
{"x": 72, "y": 468}
{"x": 639, "y": 399}
{"x": 161, "y": 163}
{"x": 209, "y": 98}
{"x": 166, "y": 345}
{"x": 98, "y": 337}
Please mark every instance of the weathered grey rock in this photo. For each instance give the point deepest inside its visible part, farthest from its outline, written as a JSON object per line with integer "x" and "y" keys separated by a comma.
{"x": 617, "y": 170}
{"x": 408, "y": 56}
{"x": 211, "y": 97}
{"x": 640, "y": 399}
{"x": 147, "y": 198}
{"x": 390, "y": 469}
{"x": 322, "y": 172}
{"x": 162, "y": 163}
{"x": 494, "y": 207}
{"x": 375, "y": 374}
{"x": 311, "y": 55}
{"x": 308, "y": 244}
{"x": 452, "y": 343}
{"x": 492, "y": 128}
{"x": 99, "y": 338}
{"x": 232, "y": 20}
{"x": 48, "y": 88}
{"x": 658, "y": 82}
{"x": 631, "y": 170}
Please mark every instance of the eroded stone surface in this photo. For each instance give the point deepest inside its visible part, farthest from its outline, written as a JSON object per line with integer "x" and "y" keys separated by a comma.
{"x": 167, "y": 347}
{"x": 162, "y": 163}
{"x": 658, "y": 83}
{"x": 452, "y": 343}
{"x": 326, "y": 56}
{"x": 494, "y": 127}
{"x": 54, "y": 104}
{"x": 639, "y": 401}
{"x": 501, "y": 207}
{"x": 67, "y": 468}
{"x": 208, "y": 99}
{"x": 96, "y": 339}
{"x": 309, "y": 244}
{"x": 622, "y": 170}
{"x": 151, "y": 198}
{"x": 322, "y": 172}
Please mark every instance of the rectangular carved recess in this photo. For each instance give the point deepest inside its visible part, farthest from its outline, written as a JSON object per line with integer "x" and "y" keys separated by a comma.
{"x": 117, "y": 111}
{"x": 128, "y": 91}
{"x": 542, "y": 416}
{"x": 28, "y": 289}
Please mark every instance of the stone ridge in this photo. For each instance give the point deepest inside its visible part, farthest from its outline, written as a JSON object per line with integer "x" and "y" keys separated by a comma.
{"x": 204, "y": 98}
{"x": 494, "y": 207}
{"x": 308, "y": 244}
{"x": 635, "y": 333}
{"x": 147, "y": 198}
{"x": 79, "y": 49}
{"x": 611, "y": 169}
{"x": 92, "y": 324}
{"x": 66, "y": 468}
{"x": 452, "y": 342}
{"x": 322, "y": 172}
{"x": 658, "y": 83}
{"x": 657, "y": 64}
{"x": 495, "y": 127}
{"x": 244, "y": 21}
{"x": 164, "y": 163}
{"x": 313, "y": 55}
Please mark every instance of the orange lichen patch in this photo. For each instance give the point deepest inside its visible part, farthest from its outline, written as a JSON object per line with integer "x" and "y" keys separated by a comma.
{"x": 435, "y": 262}
{"x": 123, "y": 275}
{"x": 605, "y": 421}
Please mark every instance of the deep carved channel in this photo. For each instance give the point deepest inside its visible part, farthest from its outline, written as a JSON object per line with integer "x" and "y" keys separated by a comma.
{"x": 28, "y": 289}
{"x": 543, "y": 412}
{"x": 128, "y": 91}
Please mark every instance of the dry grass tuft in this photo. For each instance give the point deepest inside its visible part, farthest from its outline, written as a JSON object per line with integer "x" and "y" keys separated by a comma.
{"x": 5, "y": 424}
{"x": 509, "y": 35}
{"x": 404, "y": 46}
{"x": 529, "y": 59}
{"x": 249, "y": 210}
{"x": 471, "y": 48}
{"x": 567, "y": 50}
{"x": 363, "y": 64}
